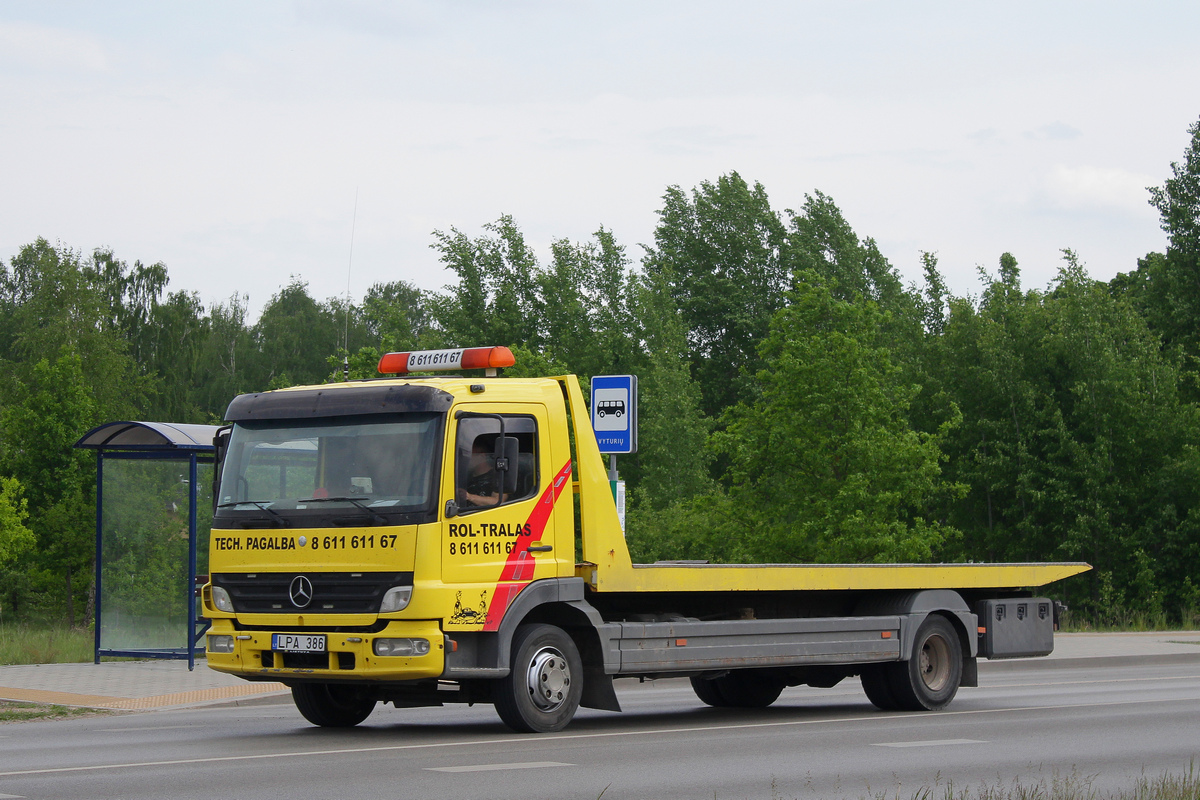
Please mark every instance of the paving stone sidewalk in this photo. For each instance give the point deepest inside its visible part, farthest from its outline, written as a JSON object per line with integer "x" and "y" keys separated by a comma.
{"x": 128, "y": 685}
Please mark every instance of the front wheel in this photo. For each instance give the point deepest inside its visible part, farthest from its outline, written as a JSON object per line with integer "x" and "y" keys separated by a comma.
{"x": 930, "y": 679}
{"x": 333, "y": 705}
{"x": 541, "y": 694}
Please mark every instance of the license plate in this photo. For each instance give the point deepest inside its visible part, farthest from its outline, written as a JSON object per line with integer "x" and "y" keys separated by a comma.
{"x": 298, "y": 642}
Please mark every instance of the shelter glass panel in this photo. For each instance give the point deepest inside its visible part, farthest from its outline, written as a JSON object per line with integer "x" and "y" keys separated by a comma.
{"x": 145, "y": 591}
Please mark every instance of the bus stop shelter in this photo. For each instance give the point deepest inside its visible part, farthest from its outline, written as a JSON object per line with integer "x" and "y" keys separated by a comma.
{"x": 153, "y": 505}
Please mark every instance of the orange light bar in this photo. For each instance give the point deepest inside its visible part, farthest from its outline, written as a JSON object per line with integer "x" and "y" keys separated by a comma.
{"x": 443, "y": 360}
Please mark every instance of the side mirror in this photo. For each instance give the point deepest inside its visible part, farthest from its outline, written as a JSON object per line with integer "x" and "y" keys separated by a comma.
{"x": 220, "y": 448}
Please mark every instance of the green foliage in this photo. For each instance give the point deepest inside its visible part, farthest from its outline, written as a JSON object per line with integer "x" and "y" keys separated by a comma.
{"x": 52, "y": 409}
{"x": 15, "y": 536}
{"x": 673, "y": 458}
{"x": 825, "y": 466}
{"x": 293, "y": 336}
{"x": 1076, "y": 444}
{"x": 496, "y": 300}
{"x": 719, "y": 253}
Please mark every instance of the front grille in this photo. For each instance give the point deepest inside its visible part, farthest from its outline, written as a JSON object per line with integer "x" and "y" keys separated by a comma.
{"x": 332, "y": 592}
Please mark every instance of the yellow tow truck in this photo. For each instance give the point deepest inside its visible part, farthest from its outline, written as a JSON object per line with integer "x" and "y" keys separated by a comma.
{"x": 426, "y": 540}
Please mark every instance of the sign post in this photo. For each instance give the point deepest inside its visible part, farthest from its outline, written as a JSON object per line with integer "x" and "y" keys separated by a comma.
{"x": 614, "y": 420}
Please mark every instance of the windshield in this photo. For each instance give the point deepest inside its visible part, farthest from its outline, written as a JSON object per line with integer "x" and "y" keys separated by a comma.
{"x": 369, "y": 465}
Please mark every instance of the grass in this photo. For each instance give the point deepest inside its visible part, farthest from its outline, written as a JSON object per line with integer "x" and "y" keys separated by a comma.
{"x": 44, "y": 643}
{"x": 25, "y": 712}
{"x": 1057, "y": 786}
{"x": 1120, "y": 621}
{"x": 1072, "y": 786}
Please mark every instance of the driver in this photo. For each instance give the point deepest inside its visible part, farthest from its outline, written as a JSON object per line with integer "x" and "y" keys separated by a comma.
{"x": 479, "y": 486}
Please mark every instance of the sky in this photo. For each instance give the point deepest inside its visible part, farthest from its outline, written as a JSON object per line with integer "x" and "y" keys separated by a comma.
{"x": 247, "y": 145}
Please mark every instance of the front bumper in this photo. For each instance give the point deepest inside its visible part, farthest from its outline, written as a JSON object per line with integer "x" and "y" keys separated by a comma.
{"x": 348, "y": 656}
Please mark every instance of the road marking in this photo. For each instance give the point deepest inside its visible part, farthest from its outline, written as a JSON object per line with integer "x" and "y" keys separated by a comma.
{"x": 12, "y": 797}
{"x": 540, "y": 741}
{"x": 930, "y": 743}
{"x": 491, "y": 767}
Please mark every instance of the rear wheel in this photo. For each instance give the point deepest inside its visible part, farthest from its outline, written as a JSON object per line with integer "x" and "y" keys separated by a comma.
{"x": 541, "y": 694}
{"x": 930, "y": 679}
{"x": 333, "y": 705}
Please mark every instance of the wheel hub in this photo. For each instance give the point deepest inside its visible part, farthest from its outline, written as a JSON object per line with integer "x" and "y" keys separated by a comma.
{"x": 548, "y": 679}
{"x": 934, "y": 663}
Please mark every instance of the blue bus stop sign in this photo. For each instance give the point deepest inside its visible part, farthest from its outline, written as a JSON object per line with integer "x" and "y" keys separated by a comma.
{"x": 614, "y": 412}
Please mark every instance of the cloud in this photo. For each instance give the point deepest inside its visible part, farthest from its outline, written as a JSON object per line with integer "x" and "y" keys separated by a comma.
{"x": 1092, "y": 187}
{"x": 41, "y": 48}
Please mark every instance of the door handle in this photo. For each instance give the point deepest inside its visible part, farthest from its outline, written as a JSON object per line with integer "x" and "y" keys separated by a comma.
{"x": 542, "y": 548}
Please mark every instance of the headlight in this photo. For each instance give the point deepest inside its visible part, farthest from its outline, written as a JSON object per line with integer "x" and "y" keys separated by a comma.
{"x": 395, "y": 599}
{"x": 220, "y": 644}
{"x": 221, "y": 600}
{"x": 401, "y": 647}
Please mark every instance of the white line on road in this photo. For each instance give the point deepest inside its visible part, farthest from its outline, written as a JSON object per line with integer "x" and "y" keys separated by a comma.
{"x": 540, "y": 741}
{"x": 930, "y": 743}
{"x": 493, "y": 767}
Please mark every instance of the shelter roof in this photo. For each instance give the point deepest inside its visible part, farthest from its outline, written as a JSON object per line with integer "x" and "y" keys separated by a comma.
{"x": 171, "y": 436}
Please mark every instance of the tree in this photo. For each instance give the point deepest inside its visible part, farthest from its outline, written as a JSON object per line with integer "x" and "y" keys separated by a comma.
{"x": 719, "y": 253}
{"x": 397, "y": 316}
{"x": 52, "y": 409}
{"x": 1076, "y": 444}
{"x": 226, "y": 357}
{"x": 1166, "y": 287}
{"x": 587, "y": 296}
{"x": 825, "y": 466}
{"x": 294, "y": 337}
{"x": 496, "y": 299}
{"x": 821, "y": 240}
{"x": 15, "y": 536}
{"x": 673, "y": 459}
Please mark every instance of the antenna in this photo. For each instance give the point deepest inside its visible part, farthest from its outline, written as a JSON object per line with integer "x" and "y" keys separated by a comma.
{"x": 346, "y": 335}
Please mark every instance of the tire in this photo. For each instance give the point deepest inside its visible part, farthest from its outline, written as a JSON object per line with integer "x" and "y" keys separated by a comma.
{"x": 541, "y": 693}
{"x": 333, "y": 705}
{"x": 929, "y": 680}
{"x": 876, "y": 682}
{"x": 709, "y": 692}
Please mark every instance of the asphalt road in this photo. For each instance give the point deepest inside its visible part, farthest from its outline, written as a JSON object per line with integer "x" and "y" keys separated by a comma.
{"x": 1103, "y": 724}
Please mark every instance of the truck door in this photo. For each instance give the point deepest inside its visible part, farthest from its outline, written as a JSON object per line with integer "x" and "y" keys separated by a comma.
{"x": 498, "y": 534}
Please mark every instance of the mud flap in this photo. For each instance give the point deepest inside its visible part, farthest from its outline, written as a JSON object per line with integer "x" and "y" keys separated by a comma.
{"x": 598, "y": 691}
{"x": 970, "y": 673}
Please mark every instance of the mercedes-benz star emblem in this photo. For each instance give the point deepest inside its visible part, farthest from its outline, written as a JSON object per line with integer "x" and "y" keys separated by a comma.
{"x": 300, "y": 591}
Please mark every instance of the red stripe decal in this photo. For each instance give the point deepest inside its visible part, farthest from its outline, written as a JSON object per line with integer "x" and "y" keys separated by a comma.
{"x": 518, "y": 569}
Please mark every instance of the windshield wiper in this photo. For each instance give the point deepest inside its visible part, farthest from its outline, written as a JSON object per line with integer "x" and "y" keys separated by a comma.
{"x": 277, "y": 519}
{"x": 376, "y": 517}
